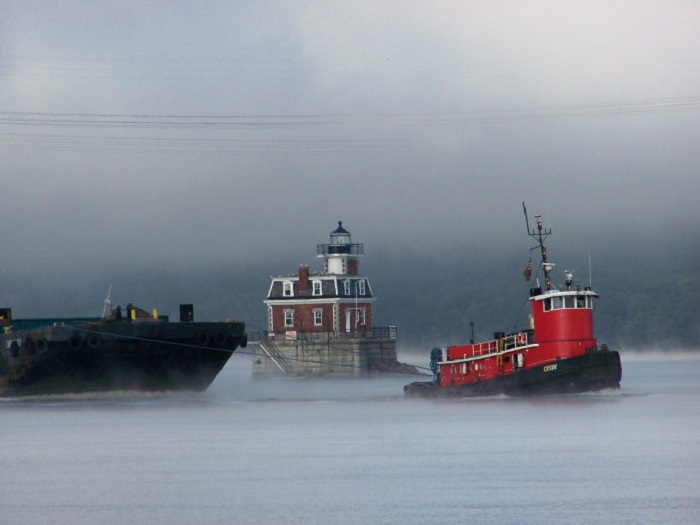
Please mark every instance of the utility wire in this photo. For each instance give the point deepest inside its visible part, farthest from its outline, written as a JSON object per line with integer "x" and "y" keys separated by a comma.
{"x": 296, "y": 121}
{"x": 257, "y": 134}
{"x": 226, "y": 350}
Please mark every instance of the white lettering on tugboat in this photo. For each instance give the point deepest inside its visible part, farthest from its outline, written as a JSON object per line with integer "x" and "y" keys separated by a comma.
{"x": 550, "y": 368}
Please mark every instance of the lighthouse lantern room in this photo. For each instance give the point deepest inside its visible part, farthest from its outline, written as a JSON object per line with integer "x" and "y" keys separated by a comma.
{"x": 340, "y": 255}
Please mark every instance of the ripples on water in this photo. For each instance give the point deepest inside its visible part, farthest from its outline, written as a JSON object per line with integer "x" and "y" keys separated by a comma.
{"x": 319, "y": 452}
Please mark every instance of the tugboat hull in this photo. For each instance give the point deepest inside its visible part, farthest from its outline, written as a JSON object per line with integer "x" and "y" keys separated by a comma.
{"x": 589, "y": 372}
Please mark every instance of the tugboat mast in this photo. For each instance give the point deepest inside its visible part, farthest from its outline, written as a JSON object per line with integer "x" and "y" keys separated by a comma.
{"x": 540, "y": 235}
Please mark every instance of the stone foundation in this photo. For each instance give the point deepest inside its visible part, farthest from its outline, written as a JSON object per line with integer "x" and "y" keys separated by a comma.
{"x": 334, "y": 356}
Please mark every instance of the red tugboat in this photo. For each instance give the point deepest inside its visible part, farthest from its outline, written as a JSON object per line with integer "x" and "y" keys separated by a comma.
{"x": 557, "y": 354}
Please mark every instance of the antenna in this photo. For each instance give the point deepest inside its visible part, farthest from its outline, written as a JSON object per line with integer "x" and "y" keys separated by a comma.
{"x": 590, "y": 272}
{"x": 527, "y": 224}
{"x": 540, "y": 235}
{"x": 108, "y": 302}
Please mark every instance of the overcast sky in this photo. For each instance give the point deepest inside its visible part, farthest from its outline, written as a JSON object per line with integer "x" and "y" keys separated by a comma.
{"x": 179, "y": 135}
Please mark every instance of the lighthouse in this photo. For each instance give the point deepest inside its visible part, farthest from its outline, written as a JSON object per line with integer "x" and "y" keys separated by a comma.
{"x": 338, "y": 299}
{"x": 321, "y": 322}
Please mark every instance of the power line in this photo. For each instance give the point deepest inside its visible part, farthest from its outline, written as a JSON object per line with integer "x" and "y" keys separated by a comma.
{"x": 191, "y": 144}
{"x": 240, "y": 121}
{"x": 210, "y": 134}
{"x": 253, "y": 353}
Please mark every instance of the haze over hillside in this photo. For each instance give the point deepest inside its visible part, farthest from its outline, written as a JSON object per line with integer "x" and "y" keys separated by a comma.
{"x": 431, "y": 295}
{"x": 184, "y": 152}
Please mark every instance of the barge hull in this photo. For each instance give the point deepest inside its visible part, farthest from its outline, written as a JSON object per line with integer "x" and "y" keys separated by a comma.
{"x": 148, "y": 357}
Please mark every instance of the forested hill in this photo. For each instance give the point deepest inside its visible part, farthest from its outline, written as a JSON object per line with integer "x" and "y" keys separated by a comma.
{"x": 649, "y": 298}
{"x": 645, "y": 302}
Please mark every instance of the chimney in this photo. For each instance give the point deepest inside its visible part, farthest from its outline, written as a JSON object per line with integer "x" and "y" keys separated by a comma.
{"x": 303, "y": 278}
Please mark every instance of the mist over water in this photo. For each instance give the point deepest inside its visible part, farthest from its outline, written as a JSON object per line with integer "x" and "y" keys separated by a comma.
{"x": 356, "y": 451}
{"x": 184, "y": 155}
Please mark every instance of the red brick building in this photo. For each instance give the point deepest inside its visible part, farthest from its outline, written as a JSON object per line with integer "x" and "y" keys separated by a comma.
{"x": 336, "y": 300}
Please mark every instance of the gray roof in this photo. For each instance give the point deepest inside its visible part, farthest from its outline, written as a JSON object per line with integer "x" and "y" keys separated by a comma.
{"x": 329, "y": 285}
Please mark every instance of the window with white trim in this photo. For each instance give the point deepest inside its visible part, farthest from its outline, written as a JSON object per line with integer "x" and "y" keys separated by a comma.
{"x": 346, "y": 287}
{"x": 287, "y": 289}
{"x": 288, "y": 318}
{"x": 361, "y": 285}
{"x": 316, "y": 287}
{"x": 567, "y": 301}
{"x": 318, "y": 317}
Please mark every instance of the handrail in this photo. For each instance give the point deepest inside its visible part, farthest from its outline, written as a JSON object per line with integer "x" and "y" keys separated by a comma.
{"x": 509, "y": 343}
{"x": 275, "y": 356}
{"x": 377, "y": 332}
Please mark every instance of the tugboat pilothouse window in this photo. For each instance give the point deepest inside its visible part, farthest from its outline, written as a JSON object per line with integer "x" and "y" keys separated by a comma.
{"x": 568, "y": 301}
{"x": 553, "y": 303}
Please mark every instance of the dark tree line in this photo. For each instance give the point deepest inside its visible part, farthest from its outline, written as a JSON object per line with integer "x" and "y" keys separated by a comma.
{"x": 648, "y": 299}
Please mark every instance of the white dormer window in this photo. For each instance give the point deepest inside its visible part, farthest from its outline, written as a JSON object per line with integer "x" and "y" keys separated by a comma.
{"x": 346, "y": 287}
{"x": 317, "y": 287}
{"x": 361, "y": 285}
{"x": 287, "y": 289}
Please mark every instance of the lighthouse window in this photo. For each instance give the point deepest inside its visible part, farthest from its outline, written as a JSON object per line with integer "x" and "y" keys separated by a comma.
{"x": 361, "y": 284}
{"x": 288, "y": 291}
{"x": 346, "y": 287}
{"x": 317, "y": 288}
{"x": 318, "y": 317}
{"x": 288, "y": 318}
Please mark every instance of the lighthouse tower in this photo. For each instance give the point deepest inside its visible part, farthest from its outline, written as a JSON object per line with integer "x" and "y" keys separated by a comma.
{"x": 322, "y": 322}
{"x": 340, "y": 256}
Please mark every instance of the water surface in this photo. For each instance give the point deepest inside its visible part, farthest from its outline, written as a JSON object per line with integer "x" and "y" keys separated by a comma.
{"x": 349, "y": 452}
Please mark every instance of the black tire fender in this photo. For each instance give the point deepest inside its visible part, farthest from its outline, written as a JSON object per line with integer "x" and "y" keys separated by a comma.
{"x": 42, "y": 344}
{"x": 74, "y": 341}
